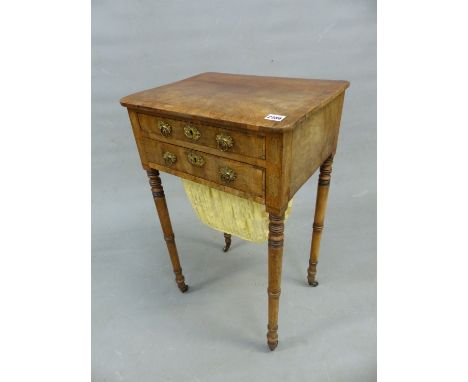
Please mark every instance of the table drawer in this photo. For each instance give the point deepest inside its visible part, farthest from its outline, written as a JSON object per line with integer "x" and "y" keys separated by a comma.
{"x": 225, "y": 140}
{"x": 226, "y": 172}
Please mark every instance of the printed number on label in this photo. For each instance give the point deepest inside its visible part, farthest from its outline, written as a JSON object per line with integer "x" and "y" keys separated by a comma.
{"x": 275, "y": 117}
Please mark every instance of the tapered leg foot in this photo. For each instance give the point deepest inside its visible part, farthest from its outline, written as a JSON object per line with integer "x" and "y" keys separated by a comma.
{"x": 180, "y": 280}
{"x": 227, "y": 242}
{"x": 272, "y": 337}
{"x": 320, "y": 209}
{"x": 163, "y": 213}
{"x": 311, "y": 273}
{"x": 273, "y": 345}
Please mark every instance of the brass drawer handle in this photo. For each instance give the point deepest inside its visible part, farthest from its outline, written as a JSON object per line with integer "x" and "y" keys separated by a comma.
{"x": 195, "y": 159}
{"x": 191, "y": 132}
{"x": 227, "y": 175}
{"x": 224, "y": 141}
{"x": 169, "y": 158}
{"x": 165, "y": 128}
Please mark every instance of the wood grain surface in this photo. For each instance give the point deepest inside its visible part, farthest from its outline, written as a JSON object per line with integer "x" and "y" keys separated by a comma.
{"x": 239, "y": 99}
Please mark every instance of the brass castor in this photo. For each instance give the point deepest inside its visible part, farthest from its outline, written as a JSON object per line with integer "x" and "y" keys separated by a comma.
{"x": 313, "y": 283}
{"x": 227, "y": 241}
{"x": 273, "y": 345}
{"x": 183, "y": 288}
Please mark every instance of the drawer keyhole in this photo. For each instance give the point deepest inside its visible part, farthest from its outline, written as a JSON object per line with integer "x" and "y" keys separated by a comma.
{"x": 195, "y": 159}
{"x": 191, "y": 132}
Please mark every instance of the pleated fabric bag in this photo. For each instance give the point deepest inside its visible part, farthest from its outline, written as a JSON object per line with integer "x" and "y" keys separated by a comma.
{"x": 228, "y": 213}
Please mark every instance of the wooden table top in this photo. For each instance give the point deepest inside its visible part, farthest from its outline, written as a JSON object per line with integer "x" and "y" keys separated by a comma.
{"x": 241, "y": 100}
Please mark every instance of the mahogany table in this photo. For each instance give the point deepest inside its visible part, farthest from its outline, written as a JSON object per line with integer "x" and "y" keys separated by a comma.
{"x": 259, "y": 138}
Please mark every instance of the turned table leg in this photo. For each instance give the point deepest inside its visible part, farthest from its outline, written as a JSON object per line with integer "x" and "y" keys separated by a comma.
{"x": 275, "y": 258}
{"x": 320, "y": 209}
{"x": 163, "y": 213}
{"x": 227, "y": 241}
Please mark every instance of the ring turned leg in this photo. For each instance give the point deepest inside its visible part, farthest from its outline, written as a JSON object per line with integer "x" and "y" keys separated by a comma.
{"x": 275, "y": 258}
{"x": 227, "y": 241}
{"x": 320, "y": 209}
{"x": 163, "y": 213}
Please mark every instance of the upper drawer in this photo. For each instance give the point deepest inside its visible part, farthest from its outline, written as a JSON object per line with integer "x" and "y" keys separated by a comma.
{"x": 229, "y": 141}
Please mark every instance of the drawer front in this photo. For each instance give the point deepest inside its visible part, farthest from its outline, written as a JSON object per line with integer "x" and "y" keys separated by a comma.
{"x": 224, "y": 140}
{"x": 226, "y": 172}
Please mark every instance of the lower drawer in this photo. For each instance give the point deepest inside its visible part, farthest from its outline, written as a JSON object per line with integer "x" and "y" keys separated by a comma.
{"x": 226, "y": 172}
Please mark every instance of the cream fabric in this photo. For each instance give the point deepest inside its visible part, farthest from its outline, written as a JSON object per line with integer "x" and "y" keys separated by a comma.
{"x": 229, "y": 213}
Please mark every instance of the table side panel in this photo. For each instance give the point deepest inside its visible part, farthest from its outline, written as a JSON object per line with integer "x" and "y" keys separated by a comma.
{"x": 137, "y": 135}
{"x": 313, "y": 141}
